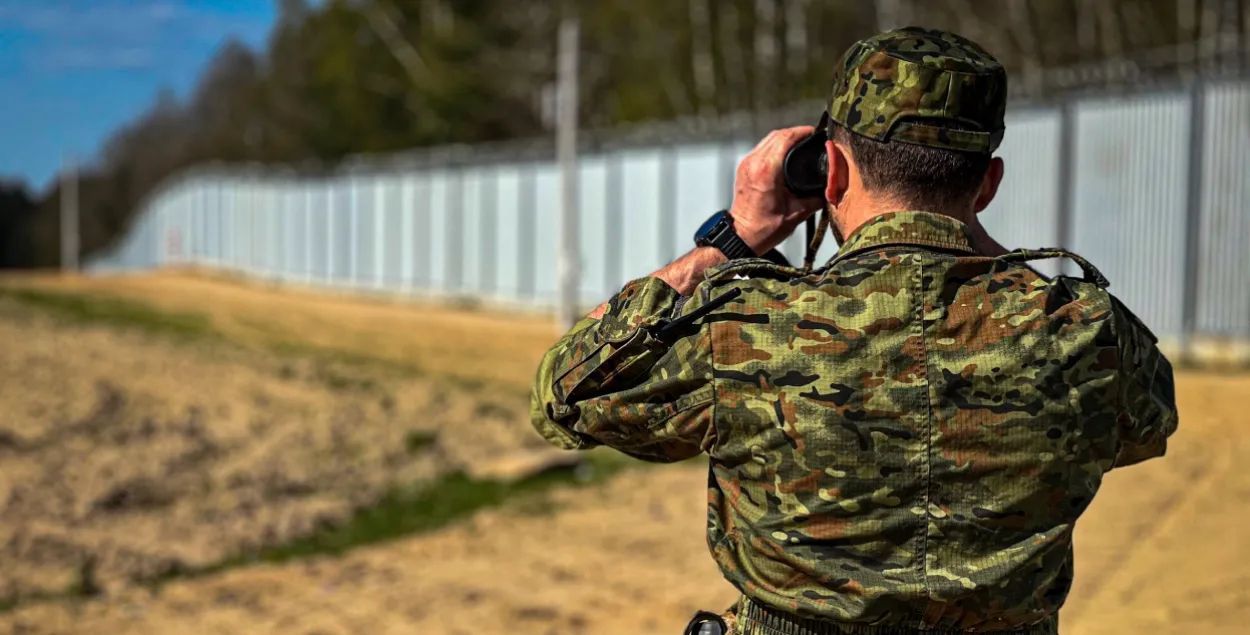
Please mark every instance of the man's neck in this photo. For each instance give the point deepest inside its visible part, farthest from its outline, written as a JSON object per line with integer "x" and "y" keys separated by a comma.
{"x": 983, "y": 242}
{"x": 864, "y": 210}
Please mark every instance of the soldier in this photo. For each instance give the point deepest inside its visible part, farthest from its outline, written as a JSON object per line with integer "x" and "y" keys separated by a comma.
{"x": 903, "y": 439}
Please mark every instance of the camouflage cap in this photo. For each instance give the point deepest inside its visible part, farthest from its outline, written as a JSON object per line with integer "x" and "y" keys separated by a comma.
{"x": 885, "y": 83}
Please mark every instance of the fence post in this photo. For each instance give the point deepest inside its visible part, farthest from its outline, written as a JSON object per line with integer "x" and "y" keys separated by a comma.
{"x": 425, "y": 254}
{"x": 253, "y": 210}
{"x": 204, "y": 231}
{"x": 289, "y": 208}
{"x": 285, "y": 231}
{"x": 567, "y": 267}
{"x": 353, "y": 248}
{"x": 1067, "y": 179}
{"x": 729, "y": 170}
{"x": 308, "y": 232}
{"x": 379, "y": 232}
{"x": 1193, "y": 218}
{"x": 453, "y": 254}
{"x": 527, "y": 282}
{"x": 489, "y": 220}
{"x": 330, "y": 199}
{"x": 668, "y": 205}
{"x": 407, "y": 233}
{"x": 614, "y": 225}
{"x": 219, "y": 253}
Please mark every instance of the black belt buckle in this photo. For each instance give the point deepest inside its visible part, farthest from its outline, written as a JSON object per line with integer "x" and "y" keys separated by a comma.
{"x": 705, "y": 623}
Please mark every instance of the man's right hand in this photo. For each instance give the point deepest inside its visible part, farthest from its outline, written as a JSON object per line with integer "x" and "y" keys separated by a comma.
{"x": 765, "y": 213}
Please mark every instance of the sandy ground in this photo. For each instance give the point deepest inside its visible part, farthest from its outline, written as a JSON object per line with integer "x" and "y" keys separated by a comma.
{"x": 141, "y": 455}
{"x": 1162, "y": 549}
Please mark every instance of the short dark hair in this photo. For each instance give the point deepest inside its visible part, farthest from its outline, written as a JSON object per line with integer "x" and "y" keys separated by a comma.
{"x": 926, "y": 179}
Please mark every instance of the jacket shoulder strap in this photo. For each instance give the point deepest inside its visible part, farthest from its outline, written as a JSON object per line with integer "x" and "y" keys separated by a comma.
{"x": 1025, "y": 255}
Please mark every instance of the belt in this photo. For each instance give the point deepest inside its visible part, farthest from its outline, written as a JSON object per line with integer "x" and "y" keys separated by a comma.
{"x": 755, "y": 618}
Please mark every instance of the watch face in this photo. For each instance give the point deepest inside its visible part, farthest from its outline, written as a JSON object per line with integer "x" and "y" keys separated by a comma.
{"x": 708, "y": 231}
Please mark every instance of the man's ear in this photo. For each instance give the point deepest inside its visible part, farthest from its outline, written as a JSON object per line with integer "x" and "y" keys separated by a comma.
{"x": 989, "y": 186}
{"x": 839, "y": 173}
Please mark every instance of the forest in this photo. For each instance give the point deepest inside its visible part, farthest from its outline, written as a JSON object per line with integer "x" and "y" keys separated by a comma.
{"x": 351, "y": 77}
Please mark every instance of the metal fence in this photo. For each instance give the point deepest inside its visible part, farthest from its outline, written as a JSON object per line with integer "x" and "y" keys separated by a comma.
{"x": 1152, "y": 188}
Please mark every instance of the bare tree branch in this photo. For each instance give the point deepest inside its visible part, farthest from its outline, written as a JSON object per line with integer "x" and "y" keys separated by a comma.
{"x": 732, "y": 57}
{"x": 797, "y": 55}
{"x": 702, "y": 63}
{"x": 1086, "y": 29}
{"x": 1109, "y": 25}
{"x": 1208, "y": 33}
{"x": 403, "y": 51}
{"x": 1022, "y": 26}
{"x": 765, "y": 88}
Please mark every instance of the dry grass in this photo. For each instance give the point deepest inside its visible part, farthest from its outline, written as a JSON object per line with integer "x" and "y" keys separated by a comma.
{"x": 1160, "y": 551}
{"x": 439, "y": 341}
{"x": 143, "y": 455}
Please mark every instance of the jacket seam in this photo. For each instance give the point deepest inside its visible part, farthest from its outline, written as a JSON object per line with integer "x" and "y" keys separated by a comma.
{"x": 928, "y": 454}
{"x": 900, "y": 241}
{"x": 705, "y": 331}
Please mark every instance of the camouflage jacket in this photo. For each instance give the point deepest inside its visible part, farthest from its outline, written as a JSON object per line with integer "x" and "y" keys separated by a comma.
{"x": 903, "y": 437}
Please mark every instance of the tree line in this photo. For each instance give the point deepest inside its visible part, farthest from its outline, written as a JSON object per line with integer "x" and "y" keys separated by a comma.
{"x": 374, "y": 76}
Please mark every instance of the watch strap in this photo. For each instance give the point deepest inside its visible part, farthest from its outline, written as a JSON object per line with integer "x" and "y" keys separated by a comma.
{"x": 732, "y": 245}
{"x": 777, "y": 258}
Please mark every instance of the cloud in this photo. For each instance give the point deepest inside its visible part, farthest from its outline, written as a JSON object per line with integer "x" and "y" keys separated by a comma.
{"x": 87, "y": 58}
{"x": 91, "y": 19}
{"x": 83, "y": 34}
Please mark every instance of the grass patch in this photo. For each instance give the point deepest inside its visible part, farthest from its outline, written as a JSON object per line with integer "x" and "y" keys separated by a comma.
{"x": 400, "y": 513}
{"x": 12, "y": 603}
{"x": 81, "y": 588}
{"x": 418, "y": 440}
{"x": 112, "y": 311}
{"x": 412, "y": 511}
{"x": 492, "y": 410}
{"x": 345, "y": 358}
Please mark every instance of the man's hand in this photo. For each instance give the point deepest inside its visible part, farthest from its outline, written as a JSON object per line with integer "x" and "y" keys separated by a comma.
{"x": 765, "y": 213}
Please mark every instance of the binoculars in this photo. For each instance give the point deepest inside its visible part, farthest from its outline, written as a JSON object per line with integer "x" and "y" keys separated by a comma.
{"x": 806, "y": 167}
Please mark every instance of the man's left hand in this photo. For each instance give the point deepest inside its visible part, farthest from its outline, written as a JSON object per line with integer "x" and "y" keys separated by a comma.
{"x": 765, "y": 213}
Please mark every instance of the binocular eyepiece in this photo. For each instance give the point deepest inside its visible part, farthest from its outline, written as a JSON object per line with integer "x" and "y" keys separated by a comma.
{"x": 806, "y": 167}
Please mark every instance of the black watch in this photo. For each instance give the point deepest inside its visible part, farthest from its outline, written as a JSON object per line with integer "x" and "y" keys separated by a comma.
{"x": 718, "y": 231}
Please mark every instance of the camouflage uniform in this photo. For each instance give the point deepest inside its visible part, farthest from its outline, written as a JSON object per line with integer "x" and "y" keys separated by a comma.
{"x": 900, "y": 440}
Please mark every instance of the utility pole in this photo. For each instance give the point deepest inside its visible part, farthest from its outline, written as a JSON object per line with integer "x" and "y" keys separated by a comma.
{"x": 69, "y": 216}
{"x": 566, "y": 149}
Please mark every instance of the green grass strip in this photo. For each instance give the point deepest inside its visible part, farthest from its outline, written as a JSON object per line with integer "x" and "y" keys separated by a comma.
{"x": 412, "y": 511}
{"x": 113, "y": 311}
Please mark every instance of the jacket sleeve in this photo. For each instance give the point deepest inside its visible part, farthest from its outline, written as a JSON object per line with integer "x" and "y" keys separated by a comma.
{"x": 1148, "y": 415}
{"x": 612, "y": 382}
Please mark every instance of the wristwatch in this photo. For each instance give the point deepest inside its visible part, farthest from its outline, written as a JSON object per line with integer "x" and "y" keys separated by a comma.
{"x": 718, "y": 231}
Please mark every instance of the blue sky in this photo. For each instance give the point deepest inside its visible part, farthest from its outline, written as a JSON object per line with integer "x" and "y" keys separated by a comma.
{"x": 72, "y": 71}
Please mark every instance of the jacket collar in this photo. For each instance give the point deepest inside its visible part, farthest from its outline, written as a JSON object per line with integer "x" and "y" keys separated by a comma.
{"x": 925, "y": 229}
